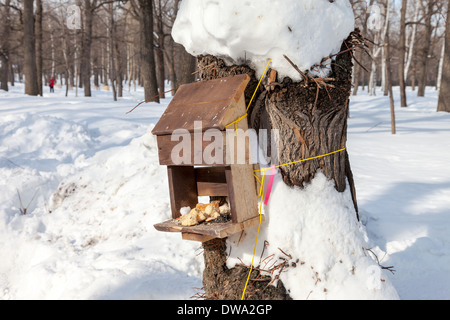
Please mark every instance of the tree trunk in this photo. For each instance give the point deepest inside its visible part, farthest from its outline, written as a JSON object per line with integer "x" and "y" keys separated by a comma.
{"x": 4, "y": 72}
{"x": 29, "y": 48}
{"x": 426, "y": 45}
{"x": 4, "y": 47}
{"x": 38, "y": 30}
{"x": 112, "y": 73}
{"x": 389, "y": 84}
{"x": 402, "y": 53}
{"x": 440, "y": 68}
{"x": 186, "y": 67}
{"x": 86, "y": 44}
{"x": 380, "y": 40}
{"x": 12, "y": 79}
{"x": 160, "y": 72}
{"x": 444, "y": 95}
{"x": 413, "y": 38}
{"x": 147, "y": 53}
{"x": 357, "y": 73}
{"x": 159, "y": 52}
{"x": 119, "y": 69}
{"x": 311, "y": 121}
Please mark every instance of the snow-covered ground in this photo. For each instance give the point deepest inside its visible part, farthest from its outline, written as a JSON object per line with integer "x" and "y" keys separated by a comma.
{"x": 89, "y": 177}
{"x": 403, "y": 188}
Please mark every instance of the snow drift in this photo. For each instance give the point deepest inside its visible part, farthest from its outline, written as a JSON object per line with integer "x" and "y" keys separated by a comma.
{"x": 80, "y": 252}
{"x": 316, "y": 232}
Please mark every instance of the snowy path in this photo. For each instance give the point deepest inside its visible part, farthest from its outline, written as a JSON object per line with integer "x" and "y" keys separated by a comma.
{"x": 99, "y": 242}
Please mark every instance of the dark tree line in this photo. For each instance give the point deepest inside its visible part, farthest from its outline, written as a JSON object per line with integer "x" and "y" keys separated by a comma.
{"x": 107, "y": 44}
{"x": 110, "y": 44}
{"x": 409, "y": 40}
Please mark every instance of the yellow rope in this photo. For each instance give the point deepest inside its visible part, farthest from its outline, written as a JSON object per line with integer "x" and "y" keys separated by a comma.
{"x": 261, "y": 195}
{"x": 251, "y": 100}
{"x": 304, "y": 160}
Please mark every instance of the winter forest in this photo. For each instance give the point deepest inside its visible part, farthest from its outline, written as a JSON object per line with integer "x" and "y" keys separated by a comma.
{"x": 110, "y": 43}
{"x": 356, "y": 94}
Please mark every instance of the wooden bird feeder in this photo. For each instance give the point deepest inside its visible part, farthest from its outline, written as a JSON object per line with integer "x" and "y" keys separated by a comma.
{"x": 216, "y": 103}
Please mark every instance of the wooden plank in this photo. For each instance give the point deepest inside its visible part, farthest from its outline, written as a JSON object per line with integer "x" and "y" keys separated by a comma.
{"x": 196, "y": 237}
{"x": 182, "y": 188}
{"x": 216, "y": 174}
{"x": 242, "y": 192}
{"x": 214, "y": 230}
{"x": 211, "y": 181}
{"x": 238, "y": 147}
{"x": 212, "y": 189}
{"x": 211, "y": 102}
{"x": 195, "y": 157}
{"x": 191, "y": 149}
{"x": 258, "y": 178}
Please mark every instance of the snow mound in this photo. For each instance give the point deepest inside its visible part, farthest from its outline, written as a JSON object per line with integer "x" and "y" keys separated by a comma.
{"x": 37, "y": 137}
{"x": 253, "y": 32}
{"x": 95, "y": 239}
{"x": 35, "y": 150}
{"x": 316, "y": 231}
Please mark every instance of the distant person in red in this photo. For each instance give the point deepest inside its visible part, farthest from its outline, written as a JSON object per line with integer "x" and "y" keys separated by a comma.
{"x": 51, "y": 83}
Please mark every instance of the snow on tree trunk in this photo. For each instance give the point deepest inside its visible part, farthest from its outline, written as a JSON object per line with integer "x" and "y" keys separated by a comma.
{"x": 312, "y": 244}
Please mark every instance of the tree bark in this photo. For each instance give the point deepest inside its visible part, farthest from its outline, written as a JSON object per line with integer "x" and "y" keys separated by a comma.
{"x": 29, "y": 48}
{"x": 159, "y": 51}
{"x": 38, "y": 30}
{"x": 186, "y": 67}
{"x": 444, "y": 93}
{"x": 4, "y": 73}
{"x": 389, "y": 84}
{"x": 4, "y": 46}
{"x": 311, "y": 121}
{"x": 111, "y": 32}
{"x": 413, "y": 38}
{"x": 86, "y": 44}
{"x": 402, "y": 53}
{"x": 380, "y": 38}
{"x": 424, "y": 53}
{"x": 147, "y": 53}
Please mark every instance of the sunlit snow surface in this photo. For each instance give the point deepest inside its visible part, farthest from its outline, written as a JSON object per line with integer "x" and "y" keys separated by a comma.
{"x": 96, "y": 170}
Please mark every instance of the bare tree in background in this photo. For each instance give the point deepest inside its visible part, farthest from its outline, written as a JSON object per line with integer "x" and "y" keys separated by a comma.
{"x": 38, "y": 39}
{"x": 143, "y": 11}
{"x": 5, "y": 45}
{"x": 141, "y": 52}
{"x": 29, "y": 48}
{"x": 444, "y": 95}
{"x": 86, "y": 43}
{"x": 429, "y": 10}
{"x": 402, "y": 54}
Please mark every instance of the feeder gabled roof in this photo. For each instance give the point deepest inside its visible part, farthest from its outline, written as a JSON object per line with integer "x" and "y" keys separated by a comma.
{"x": 214, "y": 102}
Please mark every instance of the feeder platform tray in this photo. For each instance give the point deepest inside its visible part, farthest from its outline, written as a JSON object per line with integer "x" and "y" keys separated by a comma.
{"x": 205, "y": 232}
